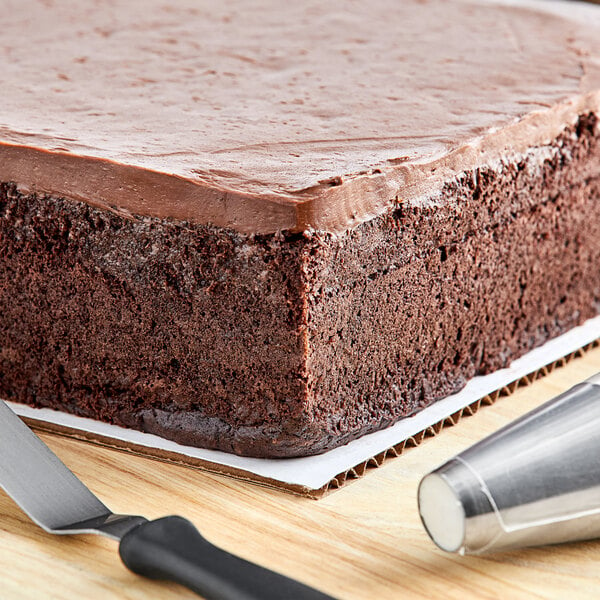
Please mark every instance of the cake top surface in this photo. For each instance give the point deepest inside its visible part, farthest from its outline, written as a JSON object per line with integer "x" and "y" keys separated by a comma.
{"x": 262, "y": 117}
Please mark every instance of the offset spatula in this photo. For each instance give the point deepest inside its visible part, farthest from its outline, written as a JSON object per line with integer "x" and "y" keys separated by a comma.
{"x": 169, "y": 548}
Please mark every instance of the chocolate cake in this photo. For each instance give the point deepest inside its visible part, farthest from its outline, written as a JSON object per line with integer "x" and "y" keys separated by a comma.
{"x": 271, "y": 230}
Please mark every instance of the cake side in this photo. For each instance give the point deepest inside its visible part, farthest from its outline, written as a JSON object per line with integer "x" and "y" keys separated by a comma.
{"x": 191, "y": 332}
{"x": 405, "y": 309}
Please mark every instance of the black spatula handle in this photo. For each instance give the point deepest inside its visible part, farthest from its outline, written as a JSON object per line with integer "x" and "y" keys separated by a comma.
{"x": 171, "y": 548}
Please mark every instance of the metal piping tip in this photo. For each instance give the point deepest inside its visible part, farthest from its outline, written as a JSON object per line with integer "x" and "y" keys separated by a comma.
{"x": 534, "y": 482}
{"x": 442, "y": 513}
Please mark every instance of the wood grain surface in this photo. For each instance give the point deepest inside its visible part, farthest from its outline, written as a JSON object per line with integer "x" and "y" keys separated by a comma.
{"x": 362, "y": 541}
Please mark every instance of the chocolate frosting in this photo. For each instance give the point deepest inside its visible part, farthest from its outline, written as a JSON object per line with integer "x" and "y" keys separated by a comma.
{"x": 263, "y": 117}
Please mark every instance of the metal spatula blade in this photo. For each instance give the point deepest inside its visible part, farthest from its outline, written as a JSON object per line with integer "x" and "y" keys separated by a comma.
{"x": 169, "y": 548}
{"x": 53, "y": 498}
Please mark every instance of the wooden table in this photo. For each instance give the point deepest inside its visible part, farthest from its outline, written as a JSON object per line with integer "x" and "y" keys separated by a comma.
{"x": 362, "y": 541}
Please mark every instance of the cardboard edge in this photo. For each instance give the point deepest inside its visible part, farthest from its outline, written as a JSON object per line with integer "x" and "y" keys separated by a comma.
{"x": 168, "y": 457}
{"x": 340, "y": 480}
